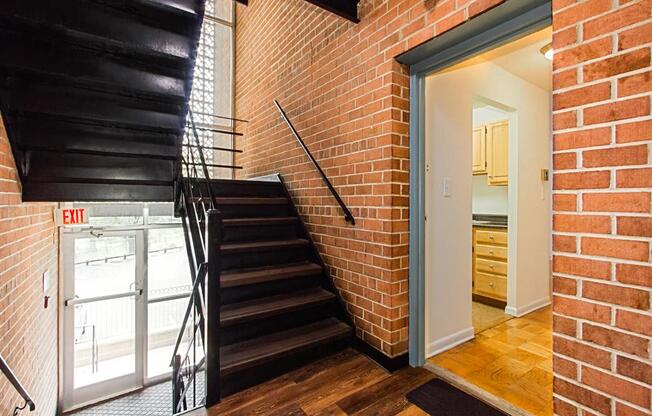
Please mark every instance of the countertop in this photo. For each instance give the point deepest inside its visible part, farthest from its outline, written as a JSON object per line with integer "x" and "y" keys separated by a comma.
{"x": 490, "y": 221}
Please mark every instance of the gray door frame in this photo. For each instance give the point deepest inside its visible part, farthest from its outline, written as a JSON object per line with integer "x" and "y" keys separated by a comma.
{"x": 509, "y": 21}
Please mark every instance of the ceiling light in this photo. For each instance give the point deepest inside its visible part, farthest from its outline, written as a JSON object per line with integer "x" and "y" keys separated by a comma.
{"x": 547, "y": 51}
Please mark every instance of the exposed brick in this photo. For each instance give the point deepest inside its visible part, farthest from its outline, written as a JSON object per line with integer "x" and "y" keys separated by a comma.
{"x": 620, "y": 249}
{"x": 561, "y": 161}
{"x": 617, "y": 156}
{"x": 580, "y": 309}
{"x": 634, "y": 274}
{"x": 615, "y": 65}
{"x": 564, "y": 38}
{"x": 624, "y": 410}
{"x": 635, "y": 84}
{"x": 582, "y": 138}
{"x": 637, "y": 12}
{"x": 565, "y": 120}
{"x": 581, "y": 395}
{"x": 564, "y": 367}
{"x": 635, "y": 322}
{"x": 565, "y": 243}
{"x": 564, "y": 79}
{"x": 634, "y": 178}
{"x": 618, "y": 110}
{"x": 564, "y": 286}
{"x": 621, "y": 341}
{"x": 618, "y": 387}
{"x": 634, "y": 132}
{"x": 582, "y": 180}
{"x": 634, "y": 37}
{"x": 582, "y": 267}
{"x": 562, "y": 408}
{"x": 579, "y": 12}
{"x": 564, "y": 202}
{"x": 599, "y": 224}
{"x": 564, "y": 325}
{"x": 635, "y": 226}
{"x": 581, "y": 96}
{"x": 617, "y": 202}
{"x": 635, "y": 369}
{"x": 582, "y": 53}
{"x": 618, "y": 295}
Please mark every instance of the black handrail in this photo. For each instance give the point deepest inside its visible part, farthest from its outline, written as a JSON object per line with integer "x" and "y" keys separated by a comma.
{"x": 347, "y": 214}
{"x": 4, "y": 367}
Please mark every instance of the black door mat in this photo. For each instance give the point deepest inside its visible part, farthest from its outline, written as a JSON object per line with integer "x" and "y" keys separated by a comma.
{"x": 439, "y": 398}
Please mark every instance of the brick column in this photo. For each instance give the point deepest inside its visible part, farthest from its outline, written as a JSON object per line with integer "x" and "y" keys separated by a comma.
{"x": 602, "y": 227}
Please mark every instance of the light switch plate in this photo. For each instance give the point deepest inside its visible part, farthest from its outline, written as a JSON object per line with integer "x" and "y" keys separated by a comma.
{"x": 447, "y": 186}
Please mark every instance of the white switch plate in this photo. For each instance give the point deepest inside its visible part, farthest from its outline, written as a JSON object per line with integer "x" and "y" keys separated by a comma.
{"x": 447, "y": 186}
{"x": 47, "y": 281}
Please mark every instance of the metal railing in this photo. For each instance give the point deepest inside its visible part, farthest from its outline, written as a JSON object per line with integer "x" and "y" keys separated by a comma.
{"x": 197, "y": 346}
{"x": 347, "y": 213}
{"x": 29, "y": 403}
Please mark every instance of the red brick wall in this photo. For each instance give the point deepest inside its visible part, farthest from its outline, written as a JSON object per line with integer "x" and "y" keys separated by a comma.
{"x": 28, "y": 333}
{"x": 348, "y": 98}
{"x": 602, "y": 183}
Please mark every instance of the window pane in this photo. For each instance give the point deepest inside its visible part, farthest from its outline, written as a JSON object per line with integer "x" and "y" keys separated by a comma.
{"x": 167, "y": 268}
{"x": 164, "y": 321}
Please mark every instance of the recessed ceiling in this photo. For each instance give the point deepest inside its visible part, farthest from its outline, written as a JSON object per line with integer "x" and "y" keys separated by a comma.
{"x": 522, "y": 58}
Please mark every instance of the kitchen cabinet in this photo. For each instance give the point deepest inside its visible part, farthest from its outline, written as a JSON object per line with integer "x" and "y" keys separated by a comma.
{"x": 490, "y": 152}
{"x": 490, "y": 265}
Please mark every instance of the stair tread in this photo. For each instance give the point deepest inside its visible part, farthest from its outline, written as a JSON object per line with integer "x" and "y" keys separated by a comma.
{"x": 272, "y": 305}
{"x": 248, "y": 246}
{"x": 266, "y": 274}
{"x": 246, "y": 354}
{"x": 258, "y": 221}
{"x": 251, "y": 201}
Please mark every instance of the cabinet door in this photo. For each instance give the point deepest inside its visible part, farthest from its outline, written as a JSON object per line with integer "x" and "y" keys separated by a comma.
{"x": 497, "y": 152}
{"x": 479, "y": 151}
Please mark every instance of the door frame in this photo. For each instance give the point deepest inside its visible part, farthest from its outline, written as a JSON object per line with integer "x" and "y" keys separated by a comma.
{"x": 74, "y": 398}
{"x": 511, "y": 20}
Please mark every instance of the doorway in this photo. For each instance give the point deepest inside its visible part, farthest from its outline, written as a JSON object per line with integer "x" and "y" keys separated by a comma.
{"x": 126, "y": 285}
{"x": 104, "y": 322}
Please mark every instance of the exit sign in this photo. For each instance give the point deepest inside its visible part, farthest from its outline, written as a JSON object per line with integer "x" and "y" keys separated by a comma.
{"x": 71, "y": 216}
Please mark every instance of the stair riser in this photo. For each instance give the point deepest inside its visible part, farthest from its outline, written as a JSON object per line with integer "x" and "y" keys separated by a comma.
{"x": 256, "y": 189}
{"x": 234, "y": 234}
{"x": 238, "y": 381}
{"x": 292, "y": 254}
{"x": 254, "y": 211}
{"x": 259, "y": 290}
{"x": 276, "y": 323}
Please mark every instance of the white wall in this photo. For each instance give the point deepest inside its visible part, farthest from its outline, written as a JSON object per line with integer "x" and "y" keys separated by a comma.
{"x": 449, "y": 110}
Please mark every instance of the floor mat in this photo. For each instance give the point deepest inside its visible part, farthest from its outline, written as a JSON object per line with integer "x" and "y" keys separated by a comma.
{"x": 439, "y": 398}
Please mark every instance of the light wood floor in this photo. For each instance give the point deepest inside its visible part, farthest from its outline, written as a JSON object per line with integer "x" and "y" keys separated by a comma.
{"x": 347, "y": 383}
{"x": 485, "y": 316}
{"x": 512, "y": 361}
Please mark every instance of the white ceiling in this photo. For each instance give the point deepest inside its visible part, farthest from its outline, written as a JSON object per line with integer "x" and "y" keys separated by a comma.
{"x": 522, "y": 58}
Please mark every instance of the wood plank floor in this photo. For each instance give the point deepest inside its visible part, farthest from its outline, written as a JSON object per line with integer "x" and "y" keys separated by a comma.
{"x": 512, "y": 361}
{"x": 347, "y": 383}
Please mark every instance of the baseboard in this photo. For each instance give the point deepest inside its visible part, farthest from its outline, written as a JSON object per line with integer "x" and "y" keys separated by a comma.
{"x": 530, "y": 307}
{"x": 449, "y": 342}
{"x": 390, "y": 364}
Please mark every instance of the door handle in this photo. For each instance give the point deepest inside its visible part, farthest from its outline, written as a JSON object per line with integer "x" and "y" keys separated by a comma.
{"x": 77, "y": 301}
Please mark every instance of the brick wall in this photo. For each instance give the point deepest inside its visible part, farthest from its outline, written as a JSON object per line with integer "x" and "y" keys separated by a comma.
{"x": 348, "y": 98}
{"x": 28, "y": 333}
{"x": 602, "y": 193}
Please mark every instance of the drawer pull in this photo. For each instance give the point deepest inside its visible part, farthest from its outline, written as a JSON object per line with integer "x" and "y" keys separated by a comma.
{"x": 491, "y": 266}
{"x": 491, "y": 284}
{"x": 491, "y": 237}
{"x": 491, "y": 252}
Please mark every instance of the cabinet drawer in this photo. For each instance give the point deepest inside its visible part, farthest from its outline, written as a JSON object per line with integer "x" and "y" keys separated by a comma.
{"x": 494, "y": 286}
{"x": 491, "y": 237}
{"x": 494, "y": 252}
{"x": 491, "y": 266}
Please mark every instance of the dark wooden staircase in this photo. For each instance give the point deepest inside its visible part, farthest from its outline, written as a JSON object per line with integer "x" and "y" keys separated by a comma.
{"x": 278, "y": 306}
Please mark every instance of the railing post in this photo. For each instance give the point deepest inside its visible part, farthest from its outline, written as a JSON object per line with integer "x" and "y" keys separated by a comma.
{"x": 176, "y": 365}
{"x": 213, "y": 303}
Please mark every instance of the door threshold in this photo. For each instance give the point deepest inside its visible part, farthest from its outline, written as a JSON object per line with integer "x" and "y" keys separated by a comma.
{"x": 475, "y": 391}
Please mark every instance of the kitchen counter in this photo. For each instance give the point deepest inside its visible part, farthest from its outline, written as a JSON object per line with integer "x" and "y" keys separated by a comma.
{"x": 490, "y": 221}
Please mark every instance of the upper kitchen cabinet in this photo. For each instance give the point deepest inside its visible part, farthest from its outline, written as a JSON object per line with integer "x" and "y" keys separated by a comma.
{"x": 497, "y": 152}
{"x": 480, "y": 150}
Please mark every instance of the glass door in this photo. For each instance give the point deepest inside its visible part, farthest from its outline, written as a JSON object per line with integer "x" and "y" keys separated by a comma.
{"x": 104, "y": 330}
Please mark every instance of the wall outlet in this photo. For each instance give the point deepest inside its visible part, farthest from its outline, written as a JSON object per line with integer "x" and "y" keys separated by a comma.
{"x": 447, "y": 187}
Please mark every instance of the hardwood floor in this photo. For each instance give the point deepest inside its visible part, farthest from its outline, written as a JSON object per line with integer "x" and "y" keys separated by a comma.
{"x": 485, "y": 317}
{"x": 347, "y": 383}
{"x": 512, "y": 361}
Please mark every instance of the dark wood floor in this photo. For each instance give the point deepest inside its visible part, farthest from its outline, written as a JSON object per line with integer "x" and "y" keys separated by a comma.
{"x": 347, "y": 383}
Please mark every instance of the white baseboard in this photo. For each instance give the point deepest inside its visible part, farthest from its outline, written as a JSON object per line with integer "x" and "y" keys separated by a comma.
{"x": 449, "y": 342}
{"x": 530, "y": 307}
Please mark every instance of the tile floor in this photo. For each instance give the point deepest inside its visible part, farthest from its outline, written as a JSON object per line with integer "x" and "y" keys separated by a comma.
{"x": 512, "y": 361}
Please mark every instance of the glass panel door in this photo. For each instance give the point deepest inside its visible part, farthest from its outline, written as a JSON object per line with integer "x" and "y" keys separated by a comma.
{"x": 103, "y": 315}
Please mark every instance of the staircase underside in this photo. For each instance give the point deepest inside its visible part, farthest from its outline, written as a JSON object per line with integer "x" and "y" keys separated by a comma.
{"x": 94, "y": 95}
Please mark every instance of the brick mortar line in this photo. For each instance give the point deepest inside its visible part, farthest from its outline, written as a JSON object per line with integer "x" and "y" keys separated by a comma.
{"x": 601, "y": 259}
{"x": 610, "y": 372}
{"x": 603, "y": 303}
{"x": 610, "y": 282}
